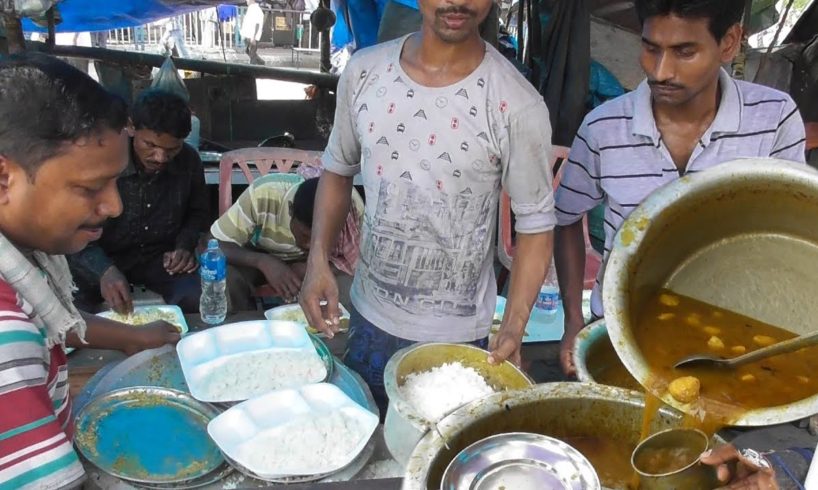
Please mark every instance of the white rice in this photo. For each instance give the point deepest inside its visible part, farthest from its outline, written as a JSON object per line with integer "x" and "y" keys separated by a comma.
{"x": 439, "y": 391}
{"x": 246, "y": 375}
{"x": 309, "y": 445}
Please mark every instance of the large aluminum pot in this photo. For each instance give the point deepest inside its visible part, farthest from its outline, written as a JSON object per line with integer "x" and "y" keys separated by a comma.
{"x": 741, "y": 236}
{"x": 596, "y": 360}
{"x": 552, "y": 409}
{"x": 403, "y": 426}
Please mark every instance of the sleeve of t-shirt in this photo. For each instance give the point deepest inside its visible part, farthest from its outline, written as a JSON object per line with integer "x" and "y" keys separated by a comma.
{"x": 35, "y": 451}
{"x": 527, "y": 178}
{"x": 791, "y": 137}
{"x": 343, "y": 153}
{"x": 579, "y": 190}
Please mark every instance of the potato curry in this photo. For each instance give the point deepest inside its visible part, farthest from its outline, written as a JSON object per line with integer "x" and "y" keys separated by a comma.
{"x": 673, "y": 326}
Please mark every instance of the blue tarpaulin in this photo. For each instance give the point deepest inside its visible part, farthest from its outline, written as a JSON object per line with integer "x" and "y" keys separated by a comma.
{"x": 96, "y": 15}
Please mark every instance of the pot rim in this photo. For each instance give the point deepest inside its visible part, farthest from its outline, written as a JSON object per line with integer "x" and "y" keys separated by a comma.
{"x": 418, "y": 466}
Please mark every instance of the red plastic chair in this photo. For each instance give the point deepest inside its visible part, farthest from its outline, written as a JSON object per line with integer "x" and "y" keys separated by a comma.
{"x": 264, "y": 161}
{"x": 505, "y": 239}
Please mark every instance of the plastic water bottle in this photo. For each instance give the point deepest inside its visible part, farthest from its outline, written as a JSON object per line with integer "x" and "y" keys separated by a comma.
{"x": 548, "y": 301}
{"x": 213, "y": 271}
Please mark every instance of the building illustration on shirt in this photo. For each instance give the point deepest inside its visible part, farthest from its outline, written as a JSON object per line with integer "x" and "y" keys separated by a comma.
{"x": 424, "y": 250}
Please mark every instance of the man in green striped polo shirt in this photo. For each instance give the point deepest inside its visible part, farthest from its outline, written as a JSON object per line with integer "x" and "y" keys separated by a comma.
{"x": 265, "y": 236}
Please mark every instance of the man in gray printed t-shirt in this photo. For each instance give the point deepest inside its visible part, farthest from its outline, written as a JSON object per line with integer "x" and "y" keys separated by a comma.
{"x": 436, "y": 123}
{"x": 689, "y": 115}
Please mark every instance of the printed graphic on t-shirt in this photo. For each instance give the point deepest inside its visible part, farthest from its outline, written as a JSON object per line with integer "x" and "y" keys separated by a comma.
{"x": 424, "y": 250}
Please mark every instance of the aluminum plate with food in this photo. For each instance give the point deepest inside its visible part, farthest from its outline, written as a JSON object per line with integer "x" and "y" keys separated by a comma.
{"x": 142, "y": 315}
{"x": 294, "y": 313}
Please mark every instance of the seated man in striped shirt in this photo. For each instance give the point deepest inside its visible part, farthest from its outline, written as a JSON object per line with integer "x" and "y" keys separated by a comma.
{"x": 62, "y": 147}
{"x": 266, "y": 235}
{"x": 689, "y": 115}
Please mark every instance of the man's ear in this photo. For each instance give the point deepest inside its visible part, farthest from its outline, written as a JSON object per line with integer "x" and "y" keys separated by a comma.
{"x": 731, "y": 43}
{"x": 130, "y": 128}
{"x": 8, "y": 174}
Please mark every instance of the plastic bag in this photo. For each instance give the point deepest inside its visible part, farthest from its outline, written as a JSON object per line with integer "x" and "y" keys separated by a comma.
{"x": 168, "y": 80}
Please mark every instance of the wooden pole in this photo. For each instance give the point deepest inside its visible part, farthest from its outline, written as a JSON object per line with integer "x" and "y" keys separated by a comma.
{"x": 14, "y": 34}
{"x": 52, "y": 29}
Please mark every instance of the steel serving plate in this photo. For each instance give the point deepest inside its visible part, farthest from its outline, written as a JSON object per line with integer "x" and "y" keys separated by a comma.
{"x": 520, "y": 461}
{"x": 204, "y": 353}
{"x": 150, "y": 435}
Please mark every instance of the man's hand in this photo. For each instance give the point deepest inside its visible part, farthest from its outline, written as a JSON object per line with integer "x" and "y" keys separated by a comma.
{"x": 506, "y": 346}
{"x": 567, "y": 348}
{"x": 284, "y": 281}
{"x": 150, "y": 336}
{"x": 738, "y": 472}
{"x": 115, "y": 289}
{"x": 179, "y": 262}
{"x": 319, "y": 298}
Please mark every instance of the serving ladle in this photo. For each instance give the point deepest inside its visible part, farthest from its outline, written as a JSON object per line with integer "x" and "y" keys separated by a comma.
{"x": 784, "y": 347}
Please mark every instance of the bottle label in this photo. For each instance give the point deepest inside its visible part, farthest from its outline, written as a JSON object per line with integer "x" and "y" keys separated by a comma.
{"x": 212, "y": 268}
{"x": 548, "y": 301}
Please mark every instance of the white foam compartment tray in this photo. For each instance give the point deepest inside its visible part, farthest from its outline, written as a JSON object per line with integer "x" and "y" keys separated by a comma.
{"x": 203, "y": 352}
{"x": 277, "y": 409}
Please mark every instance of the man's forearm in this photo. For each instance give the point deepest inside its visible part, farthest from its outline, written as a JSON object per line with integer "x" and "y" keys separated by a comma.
{"x": 532, "y": 256}
{"x": 238, "y": 255}
{"x": 569, "y": 259}
{"x": 102, "y": 333}
{"x": 331, "y": 208}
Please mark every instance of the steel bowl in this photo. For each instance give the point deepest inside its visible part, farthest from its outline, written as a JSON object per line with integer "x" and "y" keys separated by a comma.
{"x": 554, "y": 409}
{"x": 404, "y": 426}
{"x": 522, "y": 461}
{"x": 740, "y": 236}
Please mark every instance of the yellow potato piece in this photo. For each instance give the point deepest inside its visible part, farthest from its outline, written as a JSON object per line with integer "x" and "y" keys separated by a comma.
{"x": 738, "y": 349}
{"x": 685, "y": 389}
{"x": 717, "y": 314}
{"x": 712, "y": 330}
{"x": 748, "y": 378}
{"x": 694, "y": 320}
{"x": 764, "y": 340}
{"x": 715, "y": 343}
{"x": 802, "y": 379}
{"x": 669, "y": 300}
{"x": 666, "y": 316}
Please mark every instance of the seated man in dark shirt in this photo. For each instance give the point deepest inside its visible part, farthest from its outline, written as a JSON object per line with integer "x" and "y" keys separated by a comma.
{"x": 165, "y": 208}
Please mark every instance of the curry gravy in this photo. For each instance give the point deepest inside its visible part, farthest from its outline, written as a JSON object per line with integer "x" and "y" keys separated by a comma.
{"x": 673, "y": 326}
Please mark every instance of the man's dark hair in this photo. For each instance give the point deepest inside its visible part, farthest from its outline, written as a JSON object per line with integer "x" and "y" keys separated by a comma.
{"x": 46, "y": 104}
{"x": 162, "y": 112}
{"x": 304, "y": 201}
{"x": 721, "y": 14}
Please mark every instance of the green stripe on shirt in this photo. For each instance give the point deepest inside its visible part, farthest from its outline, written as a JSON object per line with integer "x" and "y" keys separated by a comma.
{"x": 21, "y": 336}
{"x": 60, "y": 464}
{"x": 25, "y": 428}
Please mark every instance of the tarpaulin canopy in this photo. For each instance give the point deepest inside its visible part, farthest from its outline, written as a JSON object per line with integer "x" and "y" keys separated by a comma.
{"x": 560, "y": 58}
{"x": 98, "y": 15}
